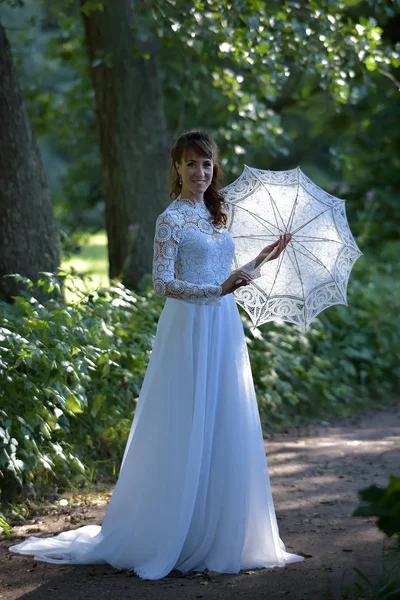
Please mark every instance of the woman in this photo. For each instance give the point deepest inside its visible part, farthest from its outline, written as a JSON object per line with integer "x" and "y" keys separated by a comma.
{"x": 193, "y": 492}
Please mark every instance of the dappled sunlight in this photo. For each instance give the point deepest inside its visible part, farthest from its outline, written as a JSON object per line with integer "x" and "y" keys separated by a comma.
{"x": 331, "y": 464}
{"x": 316, "y": 473}
{"x": 315, "y": 482}
{"x": 92, "y": 262}
{"x": 92, "y": 95}
{"x": 98, "y": 239}
{"x": 286, "y": 468}
{"x": 315, "y": 479}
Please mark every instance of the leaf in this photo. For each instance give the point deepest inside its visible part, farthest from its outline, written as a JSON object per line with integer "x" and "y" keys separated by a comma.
{"x": 106, "y": 369}
{"x": 72, "y": 403}
{"x": 370, "y": 63}
{"x": 263, "y": 48}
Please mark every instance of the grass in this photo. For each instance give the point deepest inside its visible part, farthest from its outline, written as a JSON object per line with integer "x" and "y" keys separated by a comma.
{"x": 92, "y": 262}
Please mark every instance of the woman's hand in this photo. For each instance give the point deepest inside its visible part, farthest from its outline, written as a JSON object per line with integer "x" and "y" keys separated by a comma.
{"x": 241, "y": 277}
{"x": 235, "y": 280}
{"x": 272, "y": 251}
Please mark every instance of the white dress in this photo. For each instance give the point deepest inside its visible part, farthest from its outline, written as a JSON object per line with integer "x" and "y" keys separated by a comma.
{"x": 193, "y": 492}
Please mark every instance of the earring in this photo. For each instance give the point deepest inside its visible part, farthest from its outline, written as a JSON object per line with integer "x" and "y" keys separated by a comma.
{"x": 180, "y": 180}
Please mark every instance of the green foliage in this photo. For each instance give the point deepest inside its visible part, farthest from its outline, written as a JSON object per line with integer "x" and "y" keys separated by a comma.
{"x": 387, "y": 588}
{"x": 13, "y": 3}
{"x": 71, "y": 373}
{"x": 53, "y": 69}
{"x": 280, "y": 83}
{"x": 90, "y": 6}
{"x": 70, "y": 376}
{"x": 5, "y": 527}
{"x": 383, "y": 503}
{"x": 348, "y": 356}
{"x": 284, "y": 84}
{"x": 360, "y": 143}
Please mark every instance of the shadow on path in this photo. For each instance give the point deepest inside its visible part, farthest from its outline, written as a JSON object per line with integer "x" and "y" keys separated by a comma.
{"x": 315, "y": 472}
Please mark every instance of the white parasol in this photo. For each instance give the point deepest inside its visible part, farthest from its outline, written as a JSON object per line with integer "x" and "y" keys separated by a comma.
{"x": 312, "y": 272}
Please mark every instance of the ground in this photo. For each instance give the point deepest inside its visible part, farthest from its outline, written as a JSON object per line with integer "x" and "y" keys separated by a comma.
{"x": 315, "y": 472}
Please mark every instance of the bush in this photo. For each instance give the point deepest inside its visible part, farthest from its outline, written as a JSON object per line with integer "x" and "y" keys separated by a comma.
{"x": 71, "y": 373}
{"x": 347, "y": 360}
{"x": 70, "y": 376}
{"x": 383, "y": 503}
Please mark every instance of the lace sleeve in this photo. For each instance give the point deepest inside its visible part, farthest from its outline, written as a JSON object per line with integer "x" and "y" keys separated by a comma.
{"x": 166, "y": 242}
{"x": 250, "y": 267}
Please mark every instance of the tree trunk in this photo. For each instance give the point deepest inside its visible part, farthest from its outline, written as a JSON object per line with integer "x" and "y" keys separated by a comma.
{"x": 28, "y": 234}
{"x": 132, "y": 135}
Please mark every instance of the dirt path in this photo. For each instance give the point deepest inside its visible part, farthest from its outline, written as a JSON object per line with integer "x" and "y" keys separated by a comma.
{"x": 315, "y": 474}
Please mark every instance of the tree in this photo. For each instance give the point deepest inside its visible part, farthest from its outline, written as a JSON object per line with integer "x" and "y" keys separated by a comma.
{"x": 264, "y": 78}
{"x": 132, "y": 133}
{"x": 28, "y": 234}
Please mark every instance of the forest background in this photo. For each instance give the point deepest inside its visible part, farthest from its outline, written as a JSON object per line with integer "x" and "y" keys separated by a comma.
{"x": 107, "y": 87}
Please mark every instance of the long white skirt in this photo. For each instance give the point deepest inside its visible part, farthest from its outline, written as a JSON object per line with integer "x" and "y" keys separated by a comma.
{"x": 193, "y": 491}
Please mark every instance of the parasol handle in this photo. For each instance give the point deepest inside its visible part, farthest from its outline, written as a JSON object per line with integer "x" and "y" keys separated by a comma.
{"x": 274, "y": 250}
{"x": 267, "y": 258}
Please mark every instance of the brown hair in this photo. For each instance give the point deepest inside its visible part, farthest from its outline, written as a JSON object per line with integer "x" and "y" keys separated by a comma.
{"x": 203, "y": 144}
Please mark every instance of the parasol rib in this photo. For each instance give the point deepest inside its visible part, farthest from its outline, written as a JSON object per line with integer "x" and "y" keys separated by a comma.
{"x": 310, "y": 238}
{"x": 273, "y": 203}
{"x": 307, "y": 191}
{"x": 310, "y": 221}
{"x": 292, "y": 212}
{"x": 321, "y": 249}
{"x": 296, "y": 268}
{"x": 317, "y": 260}
{"x": 255, "y": 237}
{"x": 257, "y": 217}
{"x": 302, "y": 287}
{"x": 280, "y": 259}
{"x": 312, "y": 257}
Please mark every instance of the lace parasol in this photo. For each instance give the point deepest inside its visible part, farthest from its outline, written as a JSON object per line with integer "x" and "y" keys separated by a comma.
{"x": 312, "y": 272}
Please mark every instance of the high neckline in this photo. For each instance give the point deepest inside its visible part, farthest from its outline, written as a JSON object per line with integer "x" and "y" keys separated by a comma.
{"x": 191, "y": 202}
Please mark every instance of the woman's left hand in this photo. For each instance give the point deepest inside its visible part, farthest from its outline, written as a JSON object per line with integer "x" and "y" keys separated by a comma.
{"x": 275, "y": 249}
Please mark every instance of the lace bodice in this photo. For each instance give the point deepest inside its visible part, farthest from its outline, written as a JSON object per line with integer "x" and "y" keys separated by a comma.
{"x": 192, "y": 256}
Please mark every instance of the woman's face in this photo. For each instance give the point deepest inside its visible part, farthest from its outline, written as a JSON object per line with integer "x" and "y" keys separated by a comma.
{"x": 196, "y": 172}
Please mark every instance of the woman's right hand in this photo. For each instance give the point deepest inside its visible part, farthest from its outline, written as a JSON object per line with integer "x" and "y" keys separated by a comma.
{"x": 235, "y": 280}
